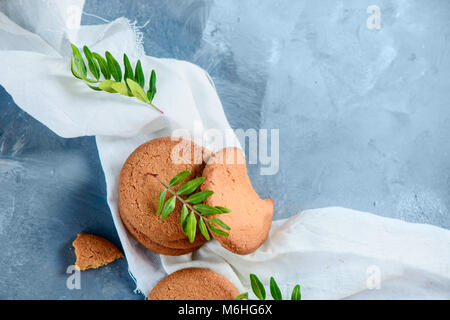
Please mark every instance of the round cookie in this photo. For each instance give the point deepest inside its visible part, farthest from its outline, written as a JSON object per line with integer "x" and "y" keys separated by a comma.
{"x": 139, "y": 191}
{"x": 250, "y": 218}
{"x": 153, "y": 246}
{"x": 194, "y": 284}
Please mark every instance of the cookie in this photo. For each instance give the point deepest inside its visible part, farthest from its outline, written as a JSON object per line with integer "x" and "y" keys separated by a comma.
{"x": 251, "y": 217}
{"x": 139, "y": 191}
{"x": 155, "y": 247}
{"x": 194, "y": 284}
{"x": 93, "y": 251}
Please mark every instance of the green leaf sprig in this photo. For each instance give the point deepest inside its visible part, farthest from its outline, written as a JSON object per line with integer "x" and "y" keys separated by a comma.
{"x": 193, "y": 212}
{"x": 134, "y": 81}
{"x": 260, "y": 292}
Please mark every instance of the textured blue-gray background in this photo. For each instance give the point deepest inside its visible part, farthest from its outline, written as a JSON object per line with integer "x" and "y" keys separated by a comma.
{"x": 363, "y": 116}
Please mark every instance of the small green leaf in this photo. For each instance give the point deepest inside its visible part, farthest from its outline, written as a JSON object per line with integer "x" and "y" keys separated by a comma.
{"x": 161, "y": 198}
{"x": 220, "y": 223}
{"x": 191, "y": 226}
{"x": 107, "y": 85}
{"x": 207, "y": 210}
{"x": 199, "y": 196}
{"x": 257, "y": 287}
{"x": 190, "y": 186}
{"x": 137, "y": 90}
{"x": 75, "y": 74}
{"x": 103, "y": 65}
{"x": 94, "y": 87}
{"x": 179, "y": 177}
{"x": 296, "y": 294}
{"x": 114, "y": 67}
{"x": 184, "y": 214}
{"x": 128, "y": 74}
{"x": 203, "y": 229}
{"x": 242, "y": 296}
{"x": 168, "y": 207}
{"x": 121, "y": 88}
{"x": 223, "y": 209}
{"x": 152, "y": 86}
{"x": 275, "y": 290}
{"x": 217, "y": 230}
{"x": 79, "y": 62}
{"x": 93, "y": 67}
{"x": 139, "y": 74}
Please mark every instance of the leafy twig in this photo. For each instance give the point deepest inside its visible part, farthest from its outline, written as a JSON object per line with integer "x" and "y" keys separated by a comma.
{"x": 260, "y": 292}
{"x": 134, "y": 82}
{"x": 192, "y": 207}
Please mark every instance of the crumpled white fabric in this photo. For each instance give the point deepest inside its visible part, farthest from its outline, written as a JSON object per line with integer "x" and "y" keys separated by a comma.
{"x": 333, "y": 253}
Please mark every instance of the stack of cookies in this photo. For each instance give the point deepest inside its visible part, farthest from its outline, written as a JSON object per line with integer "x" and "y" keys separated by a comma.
{"x": 225, "y": 174}
{"x": 138, "y": 193}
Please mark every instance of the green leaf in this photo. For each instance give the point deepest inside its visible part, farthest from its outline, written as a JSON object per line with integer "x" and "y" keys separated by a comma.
{"x": 121, "y": 88}
{"x": 203, "y": 229}
{"x": 275, "y": 290}
{"x": 217, "y": 230}
{"x": 114, "y": 67}
{"x": 103, "y": 65}
{"x": 220, "y": 223}
{"x": 242, "y": 296}
{"x": 137, "y": 90}
{"x": 94, "y": 87}
{"x": 75, "y": 74}
{"x": 207, "y": 210}
{"x": 257, "y": 287}
{"x": 89, "y": 80}
{"x": 296, "y": 294}
{"x": 139, "y": 74}
{"x": 179, "y": 177}
{"x": 199, "y": 196}
{"x": 223, "y": 209}
{"x": 152, "y": 86}
{"x": 168, "y": 207}
{"x": 161, "y": 198}
{"x": 107, "y": 85}
{"x": 190, "y": 186}
{"x": 191, "y": 226}
{"x": 184, "y": 214}
{"x": 79, "y": 62}
{"x": 93, "y": 67}
{"x": 128, "y": 74}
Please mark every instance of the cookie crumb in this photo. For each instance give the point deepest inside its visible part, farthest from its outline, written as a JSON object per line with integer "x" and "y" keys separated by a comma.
{"x": 93, "y": 251}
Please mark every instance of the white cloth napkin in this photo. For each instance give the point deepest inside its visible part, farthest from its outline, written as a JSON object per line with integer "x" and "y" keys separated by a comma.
{"x": 333, "y": 253}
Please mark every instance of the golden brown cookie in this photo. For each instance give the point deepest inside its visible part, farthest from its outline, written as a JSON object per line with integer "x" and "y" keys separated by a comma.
{"x": 194, "y": 284}
{"x": 93, "y": 251}
{"x": 153, "y": 246}
{"x": 139, "y": 191}
{"x": 251, "y": 217}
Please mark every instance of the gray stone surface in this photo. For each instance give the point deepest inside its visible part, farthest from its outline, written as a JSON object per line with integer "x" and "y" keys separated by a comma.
{"x": 363, "y": 116}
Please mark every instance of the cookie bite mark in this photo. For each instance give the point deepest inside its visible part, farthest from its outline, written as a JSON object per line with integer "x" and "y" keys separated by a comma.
{"x": 250, "y": 218}
{"x": 93, "y": 251}
{"x": 194, "y": 284}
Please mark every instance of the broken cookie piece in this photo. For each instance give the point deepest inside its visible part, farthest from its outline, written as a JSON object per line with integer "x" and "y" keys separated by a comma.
{"x": 250, "y": 217}
{"x": 93, "y": 251}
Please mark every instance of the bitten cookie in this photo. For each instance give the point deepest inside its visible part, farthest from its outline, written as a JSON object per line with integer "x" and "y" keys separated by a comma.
{"x": 251, "y": 217}
{"x": 194, "y": 284}
{"x": 93, "y": 251}
{"x": 139, "y": 191}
